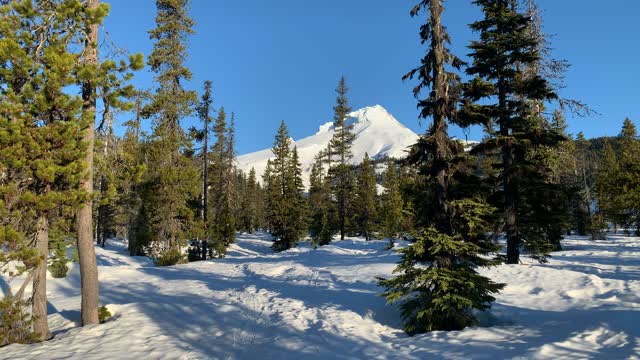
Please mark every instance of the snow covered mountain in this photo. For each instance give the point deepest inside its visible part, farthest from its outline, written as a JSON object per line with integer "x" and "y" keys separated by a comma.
{"x": 378, "y": 134}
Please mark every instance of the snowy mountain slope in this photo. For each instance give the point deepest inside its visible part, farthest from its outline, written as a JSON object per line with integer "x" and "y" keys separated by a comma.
{"x": 378, "y": 134}
{"x": 324, "y": 304}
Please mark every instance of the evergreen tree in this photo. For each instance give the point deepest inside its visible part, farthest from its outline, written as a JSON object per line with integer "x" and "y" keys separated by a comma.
{"x": 84, "y": 217}
{"x": 204, "y": 113}
{"x": 129, "y": 173}
{"x": 285, "y": 193}
{"x": 227, "y": 220}
{"x": 43, "y": 153}
{"x": 586, "y": 169}
{"x": 437, "y": 282}
{"x": 392, "y": 204}
{"x": 171, "y": 184}
{"x": 628, "y": 181}
{"x": 340, "y": 147}
{"x": 507, "y": 47}
{"x": 249, "y": 206}
{"x": 607, "y": 186}
{"x": 564, "y": 170}
{"x": 270, "y": 192}
{"x": 299, "y": 212}
{"x": 366, "y": 202}
{"x": 322, "y": 210}
{"x": 222, "y": 180}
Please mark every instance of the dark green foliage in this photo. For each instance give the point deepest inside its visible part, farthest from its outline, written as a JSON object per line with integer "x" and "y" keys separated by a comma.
{"x": 166, "y": 218}
{"x": 169, "y": 258}
{"x": 391, "y": 204}
{"x": 285, "y": 201}
{"x": 617, "y": 187}
{"x": 59, "y": 268}
{"x": 366, "y": 201}
{"x": 41, "y": 132}
{"x": 103, "y": 314}
{"x": 222, "y": 182}
{"x": 322, "y": 221}
{"x": 249, "y": 206}
{"x": 15, "y": 321}
{"x": 442, "y": 295}
{"x": 511, "y": 98}
{"x": 438, "y": 285}
{"x": 341, "y": 174}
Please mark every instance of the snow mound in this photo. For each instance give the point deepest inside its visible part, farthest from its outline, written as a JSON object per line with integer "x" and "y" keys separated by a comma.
{"x": 377, "y": 132}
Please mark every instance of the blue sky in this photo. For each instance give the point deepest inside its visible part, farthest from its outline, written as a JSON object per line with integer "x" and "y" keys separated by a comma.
{"x": 281, "y": 59}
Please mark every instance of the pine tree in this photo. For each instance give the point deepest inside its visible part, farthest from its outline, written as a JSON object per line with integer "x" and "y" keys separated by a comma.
{"x": 437, "y": 284}
{"x": 41, "y": 142}
{"x": 564, "y": 170}
{"x": 586, "y": 169}
{"x": 507, "y": 47}
{"x": 628, "y": 182}
{"x": 204, "y": 113}
{"x": 322, "y": 209}
{"x": 392, "y": 204}
{"x": 285, "y": 193}
{"x": 129, "y": 174}
{"x": 222, "y": 222}
{"x": 227, "y": 220}
{"x": 86, "y": 251}
{"x": 249, "y": 207}
{"x": 270, "y": 190}
{"x": 340, "y": 147}
{"x": 299, "y": 211}
{"x": 366, "y": 202}
{"x": 171, "y": 183}
{"x": 607, "y": 186}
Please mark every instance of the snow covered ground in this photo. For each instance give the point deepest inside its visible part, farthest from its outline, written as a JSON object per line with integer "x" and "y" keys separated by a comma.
{"x": 324, "y": 304}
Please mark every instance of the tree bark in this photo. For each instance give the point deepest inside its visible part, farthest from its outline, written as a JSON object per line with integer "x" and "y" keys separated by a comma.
{"x": 39, "y": 306}
{"x": 86, "y": 249}
{"x": 513, "y": 240}
{"x": 440, "y": 134}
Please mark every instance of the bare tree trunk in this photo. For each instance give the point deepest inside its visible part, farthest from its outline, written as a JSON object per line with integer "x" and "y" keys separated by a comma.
{"x": 39, "y": 307}
{"x": 86, "y": 250}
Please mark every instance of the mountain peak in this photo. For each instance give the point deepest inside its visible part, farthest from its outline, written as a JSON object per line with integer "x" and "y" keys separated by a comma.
{"x": 377, "y": 132}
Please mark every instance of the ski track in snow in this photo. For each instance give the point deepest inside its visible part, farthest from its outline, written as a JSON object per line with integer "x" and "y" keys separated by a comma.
{"x": 324, "y": 304}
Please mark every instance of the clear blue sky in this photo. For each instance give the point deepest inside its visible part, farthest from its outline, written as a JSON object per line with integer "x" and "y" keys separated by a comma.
{"x": 281, "y": 59}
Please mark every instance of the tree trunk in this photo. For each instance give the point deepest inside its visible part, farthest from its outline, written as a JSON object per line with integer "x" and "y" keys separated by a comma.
{"x": 342, "y": 206}
{"x": 510, "y": 192}
{"x": 440, "y": 134}
{"x": 86, "y": 250}
{"x": 39, "y": 309}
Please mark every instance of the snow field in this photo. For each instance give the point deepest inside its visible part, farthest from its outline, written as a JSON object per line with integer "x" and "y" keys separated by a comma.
{"x": 324, "y": 304}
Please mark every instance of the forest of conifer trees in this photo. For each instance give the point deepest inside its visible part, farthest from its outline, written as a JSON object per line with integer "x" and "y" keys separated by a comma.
{"x": 88, "y": 156}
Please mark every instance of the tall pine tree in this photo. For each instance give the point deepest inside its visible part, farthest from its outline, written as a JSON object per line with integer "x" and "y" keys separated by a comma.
{"x": 340, "y": 152}
{"x": 438, "y": 284}
{"x": 322, "y": 210}
{"x": 171, "y": 182}
{"x": 284, "y": 193}
{"x": 507, "y": 47}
